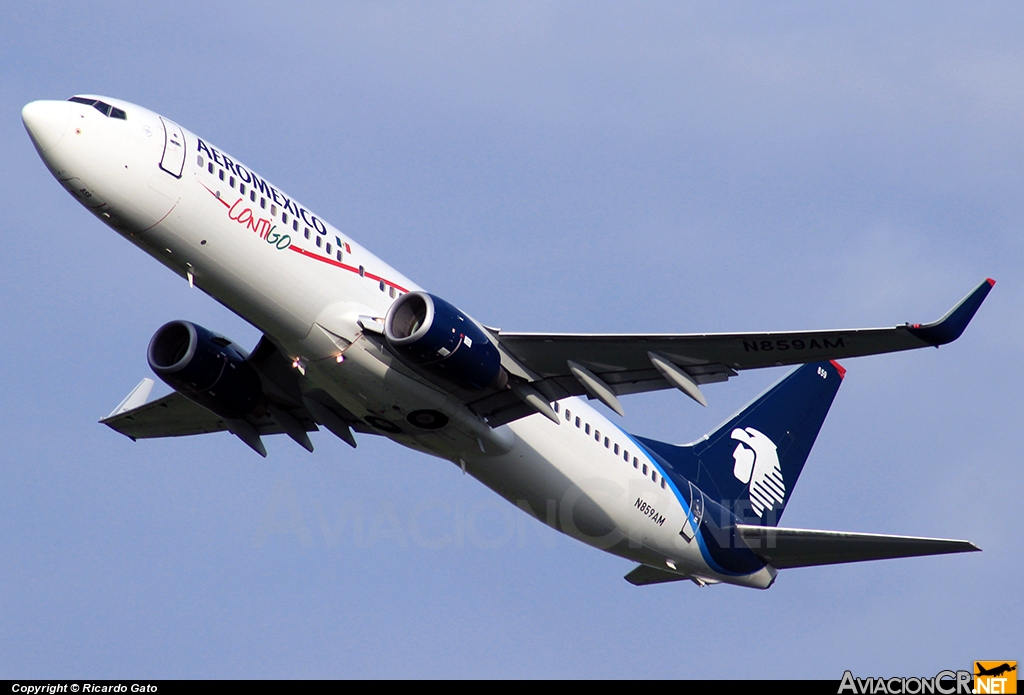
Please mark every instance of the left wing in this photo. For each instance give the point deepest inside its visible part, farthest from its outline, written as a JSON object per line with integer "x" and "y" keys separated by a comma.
{"x": 176, "y": 416}
{"x": 287, "y": 409}
{"x": 604, "y": 366}
{"x": 170, "y": 416}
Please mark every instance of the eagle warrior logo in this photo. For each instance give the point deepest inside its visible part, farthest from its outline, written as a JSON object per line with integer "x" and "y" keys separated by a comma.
{"x": 757, "y": 464}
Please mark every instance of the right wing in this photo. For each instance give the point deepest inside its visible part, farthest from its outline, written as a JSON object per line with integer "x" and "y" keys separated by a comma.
{"x": 783, "y": 548}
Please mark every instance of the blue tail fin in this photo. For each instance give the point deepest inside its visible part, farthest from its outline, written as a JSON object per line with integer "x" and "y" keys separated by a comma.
{"x": 751, "y": 463}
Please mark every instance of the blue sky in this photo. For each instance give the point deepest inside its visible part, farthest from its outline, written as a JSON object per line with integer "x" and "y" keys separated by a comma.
{"x": 562, "y": 167}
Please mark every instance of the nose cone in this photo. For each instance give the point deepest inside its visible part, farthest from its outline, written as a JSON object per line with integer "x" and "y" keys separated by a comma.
{"x": 46, "y": 122}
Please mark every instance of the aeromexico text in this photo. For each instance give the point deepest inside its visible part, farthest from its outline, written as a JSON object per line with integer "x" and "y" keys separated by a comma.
{"x": 262, "y": 186}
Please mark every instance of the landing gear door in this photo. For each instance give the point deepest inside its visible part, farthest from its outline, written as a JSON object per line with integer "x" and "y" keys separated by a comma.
{"x": 173, "y": 159}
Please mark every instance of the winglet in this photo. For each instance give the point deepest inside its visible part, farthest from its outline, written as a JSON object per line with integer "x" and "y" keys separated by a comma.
{"x": 952, "y": 325}
{"x": 133, "y": 400}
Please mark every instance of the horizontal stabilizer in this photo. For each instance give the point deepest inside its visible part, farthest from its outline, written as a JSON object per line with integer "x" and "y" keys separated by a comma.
{"x": 784, "y": 548}
{"x": 644, "y": 575}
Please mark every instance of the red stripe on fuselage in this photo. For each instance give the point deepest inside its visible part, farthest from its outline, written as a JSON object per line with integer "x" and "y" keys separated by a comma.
{"x": 351, "y": 269}
{"x": 214, "y": 194}
{"x": 322, "y": 259}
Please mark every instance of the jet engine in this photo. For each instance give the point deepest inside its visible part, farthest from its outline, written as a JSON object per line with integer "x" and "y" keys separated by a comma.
{"x": 434, "y": 337}
{"x": 206, "y": 368}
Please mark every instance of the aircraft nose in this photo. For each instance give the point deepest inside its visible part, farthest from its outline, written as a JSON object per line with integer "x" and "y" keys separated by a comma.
{"x": 46, "y": 122}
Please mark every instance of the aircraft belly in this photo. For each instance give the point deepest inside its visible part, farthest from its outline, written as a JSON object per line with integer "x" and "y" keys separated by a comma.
{"x": 389, "y": 400}
{"x": 546, "y": 476}
{"x": 595, "y": 500}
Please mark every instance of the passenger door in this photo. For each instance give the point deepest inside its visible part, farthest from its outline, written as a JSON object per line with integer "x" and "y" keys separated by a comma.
{"x": 173, "y": 159}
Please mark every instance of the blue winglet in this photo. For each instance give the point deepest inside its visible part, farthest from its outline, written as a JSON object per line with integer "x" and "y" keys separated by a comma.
{"x": 952, "y": 325}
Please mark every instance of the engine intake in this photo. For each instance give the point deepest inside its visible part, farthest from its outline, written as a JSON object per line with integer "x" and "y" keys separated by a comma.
{"x": 206, "y": 368}
{"x": 434, "y": 337}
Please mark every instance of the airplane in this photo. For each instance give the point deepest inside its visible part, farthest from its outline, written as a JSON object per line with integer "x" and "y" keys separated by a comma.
{"x": 352, "y": 345}
{"x": 995, "y": 671}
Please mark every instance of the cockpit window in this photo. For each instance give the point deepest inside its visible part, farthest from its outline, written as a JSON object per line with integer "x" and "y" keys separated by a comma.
{"x": 101, "y": 106}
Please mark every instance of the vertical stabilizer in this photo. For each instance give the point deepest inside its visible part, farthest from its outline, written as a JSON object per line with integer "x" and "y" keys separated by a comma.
{"x": 751, "y": 463}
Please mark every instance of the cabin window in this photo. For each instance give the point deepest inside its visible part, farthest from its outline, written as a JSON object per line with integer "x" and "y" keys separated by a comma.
{"x": 636, "y": 464}
{"x": 295, "y": 226}
{"x": 284, "y": 218}
{"x": 209, "y": 167}
{"x": 625, "y": 456}
{"x": 587, "y": 428}
{"x": 318, "y": 242}
{"x": 597, "y": 436}
{"x": 199, "y": 161}
{"x": 577, "y": 421}
{"x": 339, "y": 255}
{"x": 664, "y": 486}
{"x": 362, "y": 272}
{"x": 567, "y": 415}
{"x": 654, "y": 475}
{"x": 606, "y": 442}
{"x": 382, "y": 285}
{"x": 553, "y": 405}
{"x": 263, "y": 203}
{"x": 241, "y": 188}
{"x": 645, "y": 469}
{"x": 392, "y": 293}
{"x": 616, "y": 449}
{"x": 220, "y": 174}
{"x": 273, "y": 211}
{"x": 252, "y": 196}
{"x": 328, "y": 248}
{"x": 231, "y": 181}
{"x": 307, "y": 232}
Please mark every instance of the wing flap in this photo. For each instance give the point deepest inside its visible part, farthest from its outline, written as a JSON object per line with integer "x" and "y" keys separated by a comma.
{"x": 785, "y": 548}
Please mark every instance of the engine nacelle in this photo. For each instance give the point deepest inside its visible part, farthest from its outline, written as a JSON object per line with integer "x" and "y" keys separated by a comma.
{"x": 206, "y": 368}
{"x": 433, "y": 336}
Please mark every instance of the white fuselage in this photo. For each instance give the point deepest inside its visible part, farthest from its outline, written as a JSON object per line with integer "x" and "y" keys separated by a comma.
{"x": 308, "y": 285}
